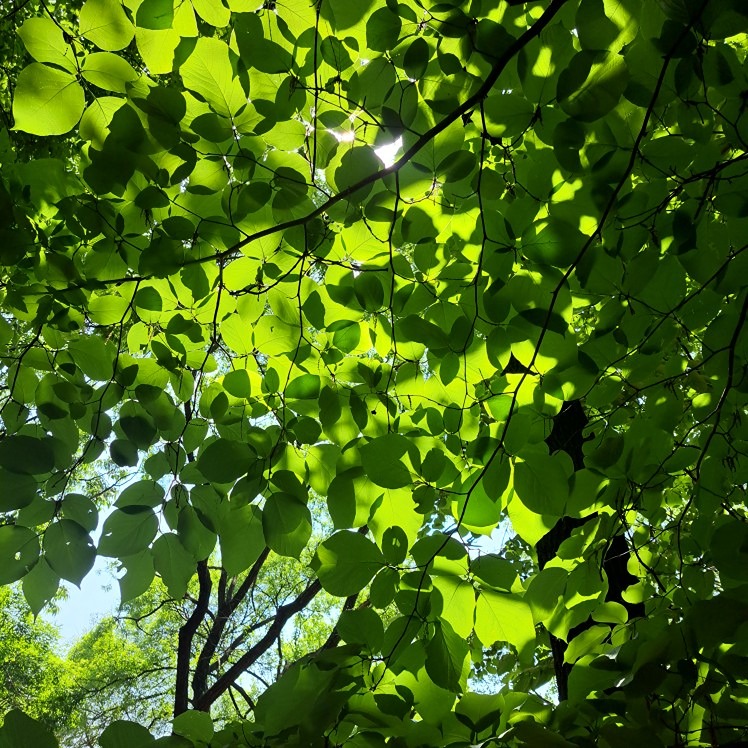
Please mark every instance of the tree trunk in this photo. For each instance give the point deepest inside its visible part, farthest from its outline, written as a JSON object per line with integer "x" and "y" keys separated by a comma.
{"x": 567, "y": 435}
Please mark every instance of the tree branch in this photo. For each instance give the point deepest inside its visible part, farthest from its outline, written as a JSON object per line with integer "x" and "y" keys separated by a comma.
{"x": 228, "y": 603}
{"x": 186, "y": 635}
{"x": 285, "y": 612}
{"x": 423, "y": 140}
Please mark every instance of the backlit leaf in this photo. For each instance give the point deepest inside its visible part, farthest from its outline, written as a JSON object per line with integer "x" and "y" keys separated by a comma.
{"x": 47, "y": 101}
{"x": 287, "y": 524}
{"x": 45, "y": 42}
{"x": 19, "y": 547}
{"x": 383, "y": 461}
{"x": 105, "y": 23}
{"x": 127, "y": 531}
{"x": 346, "y": 562}
{"x": 69, "y": 550}
{"x": 502, "y": 617}
{"x": 208, "y": 73}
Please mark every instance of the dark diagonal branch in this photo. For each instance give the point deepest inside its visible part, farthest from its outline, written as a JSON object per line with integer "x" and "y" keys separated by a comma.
{"x": 186, "y": 635}
{"x": 226, "y": 607}
{"x": 423, "y": 140}
{"x": 284, "y": 614}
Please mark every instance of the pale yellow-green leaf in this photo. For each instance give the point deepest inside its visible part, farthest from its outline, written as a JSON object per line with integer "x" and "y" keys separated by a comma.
{"x": 528, "y": 525}
{"x": 108, "y": 71}
{"x": 105, "y": 23}
{"x": 212, "y": 12}
{"x": 458, "y": 602}
{"x": 208, "y": 73}
{"x": 503, "y": 617}
{"x": 156, "y": 47}
{"x": 94, "y": 124}
{"x": 47, "y": 101}
{"x": 237, "y": 335}
{"x": 45, "y": 42}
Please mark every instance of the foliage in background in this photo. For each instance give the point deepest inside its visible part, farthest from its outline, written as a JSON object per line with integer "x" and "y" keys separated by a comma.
{"x": 324, "y": 373}
{"x": 30, "y": 670}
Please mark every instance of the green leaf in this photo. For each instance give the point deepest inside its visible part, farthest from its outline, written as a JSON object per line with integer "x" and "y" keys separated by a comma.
{"x": 209, "y": 74}
{"x": 383, "y": 463}
{"x": 446, "y": 655}
{"x": 592, "y": 84}
{"x": 369, "y": 291}
{"x": 124, "y": 453}
{"x": 416, "y": 58}
{"x": 394, "y": 545}
{"x": 507, "y": 114}
{"x": 256, "y": 50}
{"x": 93, "y": 357}
{"x": 237, "y": 335}
{"x": 212, "y": 12}
{"x": 40, "y": 586}
{"x": 354, "y": 165}
{"x": 127, "y": 531}
{"x": 195, "y": 537}
{"x": 383, "y": 30}
{"x": 108, "y": 71}
{"x": 45, "y": 42}
{"x": 287, "y": 524}
{"x": 399, "y": 636}
{"x": 125, "y": 734}
{"x": 157, "y": 48}
{"x": 16, "y": 490}
{"x": 479, "y": 711}
{"x": 139, "y": 573}
{"x": 541, "y": 484}
{"x": 238, "y": 383}
{"x": 21, "y": 731}
{"x": 305, "y": 387}
{"x": 19, "y": 550}
{"x": 346, "y": 562}
{"x": 361, "y": 626}
{"x": 553, "y": 241}
{"x": 503, "y": 617}
{"x": 27, "y": 455}
{"x": 197, "y": 726}
{"x": 224, "y": 460}
{"x": 174, "y": 563}
{"x": 458, "y": 603}
{"x": 105, "y": 23}
{"x": 141, "y": 493}
{"x": 605, "y": 25}
{"x": 155, "y": 14}
{"x": 346, "y": 335}
{"x": 69, "y": 550}
{"x": 242, "y": 539}
{"x": 47, "y": 101}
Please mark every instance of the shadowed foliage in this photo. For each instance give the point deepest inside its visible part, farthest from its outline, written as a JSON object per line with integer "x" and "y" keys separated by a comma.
{"x": 415, "y": 327}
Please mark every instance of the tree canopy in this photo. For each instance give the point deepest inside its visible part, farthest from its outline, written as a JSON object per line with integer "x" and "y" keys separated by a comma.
{"x": 436, "y": 307}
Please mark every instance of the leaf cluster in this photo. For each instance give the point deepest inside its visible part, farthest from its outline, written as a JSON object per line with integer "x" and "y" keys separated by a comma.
{"x": 302, "y": 352}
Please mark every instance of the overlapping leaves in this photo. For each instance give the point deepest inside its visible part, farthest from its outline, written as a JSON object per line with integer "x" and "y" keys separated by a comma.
{"x": 230, "y": 287}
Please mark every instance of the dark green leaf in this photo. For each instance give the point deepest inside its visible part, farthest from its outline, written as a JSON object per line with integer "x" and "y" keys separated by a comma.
{"x": 382, "y": 459}
{"x": 224, "y": 460}
{"x": 69, "y": 550}
{"x": 446, "y": 653}
{"x": 175, "y": 565}
{"x": 27, "y": 455}
{"x": 125, "y": 734}
{"x": 127, "y": 531}
{"x": 19, "y": 550}
{"x": 21, "y": 731}
{"x": 287, "y": 524}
